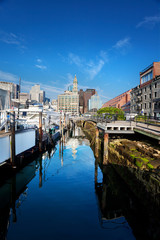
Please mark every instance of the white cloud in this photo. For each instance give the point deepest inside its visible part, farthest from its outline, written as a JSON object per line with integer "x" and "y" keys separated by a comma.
{"x": 39, "y": 60}
{"x": 122, "y": 43}
{"x": 104, "y": 55}
{"x": 94, "y": 69}
{"x": 9, "y": 77}
{"x": 42, "y": 67}
{"x": 9, "y": 38}
{"x": 82, "y": 87}
{"x": 73, "y": 58}
{"x": 89, "y": 67}
{"x": 149, "y": 21}
{"x": 13, "y": 39}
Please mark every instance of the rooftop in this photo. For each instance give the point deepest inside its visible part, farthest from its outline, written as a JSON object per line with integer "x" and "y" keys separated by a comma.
{"x": 147, "y": 68}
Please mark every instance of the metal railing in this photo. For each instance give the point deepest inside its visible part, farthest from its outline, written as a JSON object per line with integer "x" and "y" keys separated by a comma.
{"x": 148, "y": 120}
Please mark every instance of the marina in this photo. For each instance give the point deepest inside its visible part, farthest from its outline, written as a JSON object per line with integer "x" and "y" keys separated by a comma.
{"x": 63, "y": 193}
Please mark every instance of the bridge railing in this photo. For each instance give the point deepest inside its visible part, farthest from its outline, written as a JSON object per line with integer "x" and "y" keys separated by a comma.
{"x": 106, "y": 118}
{"x": 148, "y": 120}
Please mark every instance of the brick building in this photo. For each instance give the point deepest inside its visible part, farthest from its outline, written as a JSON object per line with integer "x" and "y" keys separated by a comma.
{"x": 84, "y": 96}
{"x": 118, "y": 101}
{"x": 145, "y": 98}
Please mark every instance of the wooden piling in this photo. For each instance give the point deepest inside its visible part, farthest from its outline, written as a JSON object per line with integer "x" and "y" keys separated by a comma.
{"x": 97, "y": 142}
{"x": 64, "y": 122}
{"x": 60, "y": 125}
{"x": 62, "y": 131}
{"x": 105, "y": 153}
{"x": 40, "y": 131}
{"x": 13, "y": 138}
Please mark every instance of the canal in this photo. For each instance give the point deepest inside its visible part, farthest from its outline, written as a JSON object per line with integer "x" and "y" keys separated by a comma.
{"x": 64, "y": 195}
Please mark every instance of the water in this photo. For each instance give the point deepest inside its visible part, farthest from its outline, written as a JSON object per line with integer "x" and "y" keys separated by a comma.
{"x": 62, "y": 196}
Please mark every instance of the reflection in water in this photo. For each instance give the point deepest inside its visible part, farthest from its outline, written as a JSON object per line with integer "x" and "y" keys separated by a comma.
{"x": 118, "y": 206}
{"x": 12, "y": 195}
{"x": 64, "y": 205}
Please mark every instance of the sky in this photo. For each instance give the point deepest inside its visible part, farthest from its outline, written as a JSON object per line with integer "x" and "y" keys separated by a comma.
{"x": 105, "y": 43}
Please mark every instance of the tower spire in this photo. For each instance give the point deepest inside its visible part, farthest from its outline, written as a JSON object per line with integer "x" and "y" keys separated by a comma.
{"x": 75, "y": 82}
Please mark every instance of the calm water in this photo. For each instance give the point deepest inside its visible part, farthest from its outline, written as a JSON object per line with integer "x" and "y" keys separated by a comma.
{"x": 56, "y": 197}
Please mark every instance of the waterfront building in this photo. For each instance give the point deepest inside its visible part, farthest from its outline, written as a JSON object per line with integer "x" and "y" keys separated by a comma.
{"x": 126, "y": 107}
{"x": 118, "y": 101}
{"x": 5, "y": 100}
{"x": 37, "y": 94}
{"x": 84, "y": 96}
{"x": 24, "y": 97}
{"x": 145, "y": 98}
{"x": 11, "y": 87}
{"x": 54, "y": 104}
{"x": 68, "y": 102}
{"x": 9, "y": 91}
{"x": 94, "y": 102}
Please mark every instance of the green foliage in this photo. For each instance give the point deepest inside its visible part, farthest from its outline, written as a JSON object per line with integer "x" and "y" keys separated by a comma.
{"x": 110, "y": 111}
{"x": 138, "y": 163}
{"x": 141, "y": 118}
{"x": 145, "y": 160}
{"x": 150, "y": 166}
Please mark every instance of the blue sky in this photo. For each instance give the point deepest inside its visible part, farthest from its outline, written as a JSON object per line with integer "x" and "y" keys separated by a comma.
{"x": 105, "y": 43}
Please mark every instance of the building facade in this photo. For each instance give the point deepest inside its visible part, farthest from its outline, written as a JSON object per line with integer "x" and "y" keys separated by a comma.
{"x": 5, "y": 100}
{"x": 9, "y": 92}
{"x": 12, "y": 88}
{"x": 37, "y": 94}
{"x": 69, "y": 101}
{"x": 118, "y": 101}
{"x": 84, "y": 96}
{"x": 94, "y": 102}
{"x": 145, "y": 98}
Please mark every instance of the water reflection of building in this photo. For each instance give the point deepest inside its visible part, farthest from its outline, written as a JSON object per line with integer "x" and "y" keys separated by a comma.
{"x": 77, "y": 139}
{"x": 73, "y": 144}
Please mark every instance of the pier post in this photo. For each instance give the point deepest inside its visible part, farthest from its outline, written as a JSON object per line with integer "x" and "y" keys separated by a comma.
{"x": 105, "y": 153}
{"x": 40, "y": 131}
{"x": 62, "y": 131}
{"x": 64, "y": 120}
{"x": 60, "y": 125}
{"x": 13, "y": 138}
{"x": 6, "y": 125}
{"x": 97, "y": 142}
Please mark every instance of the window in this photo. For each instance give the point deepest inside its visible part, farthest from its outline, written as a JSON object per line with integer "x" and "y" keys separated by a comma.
{"x": 145, "y": 105}
{"x": 155, "y": 85}
{"x": 145, "y": 97}
{"x": 147, "y": 77}
{"x": 150, "y": 96}
{"x": 150, "y": 105}
{"x": 155, "y": 94}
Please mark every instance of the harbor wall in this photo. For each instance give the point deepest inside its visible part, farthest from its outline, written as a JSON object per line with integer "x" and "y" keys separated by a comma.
{"x": 23, "y": 141}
